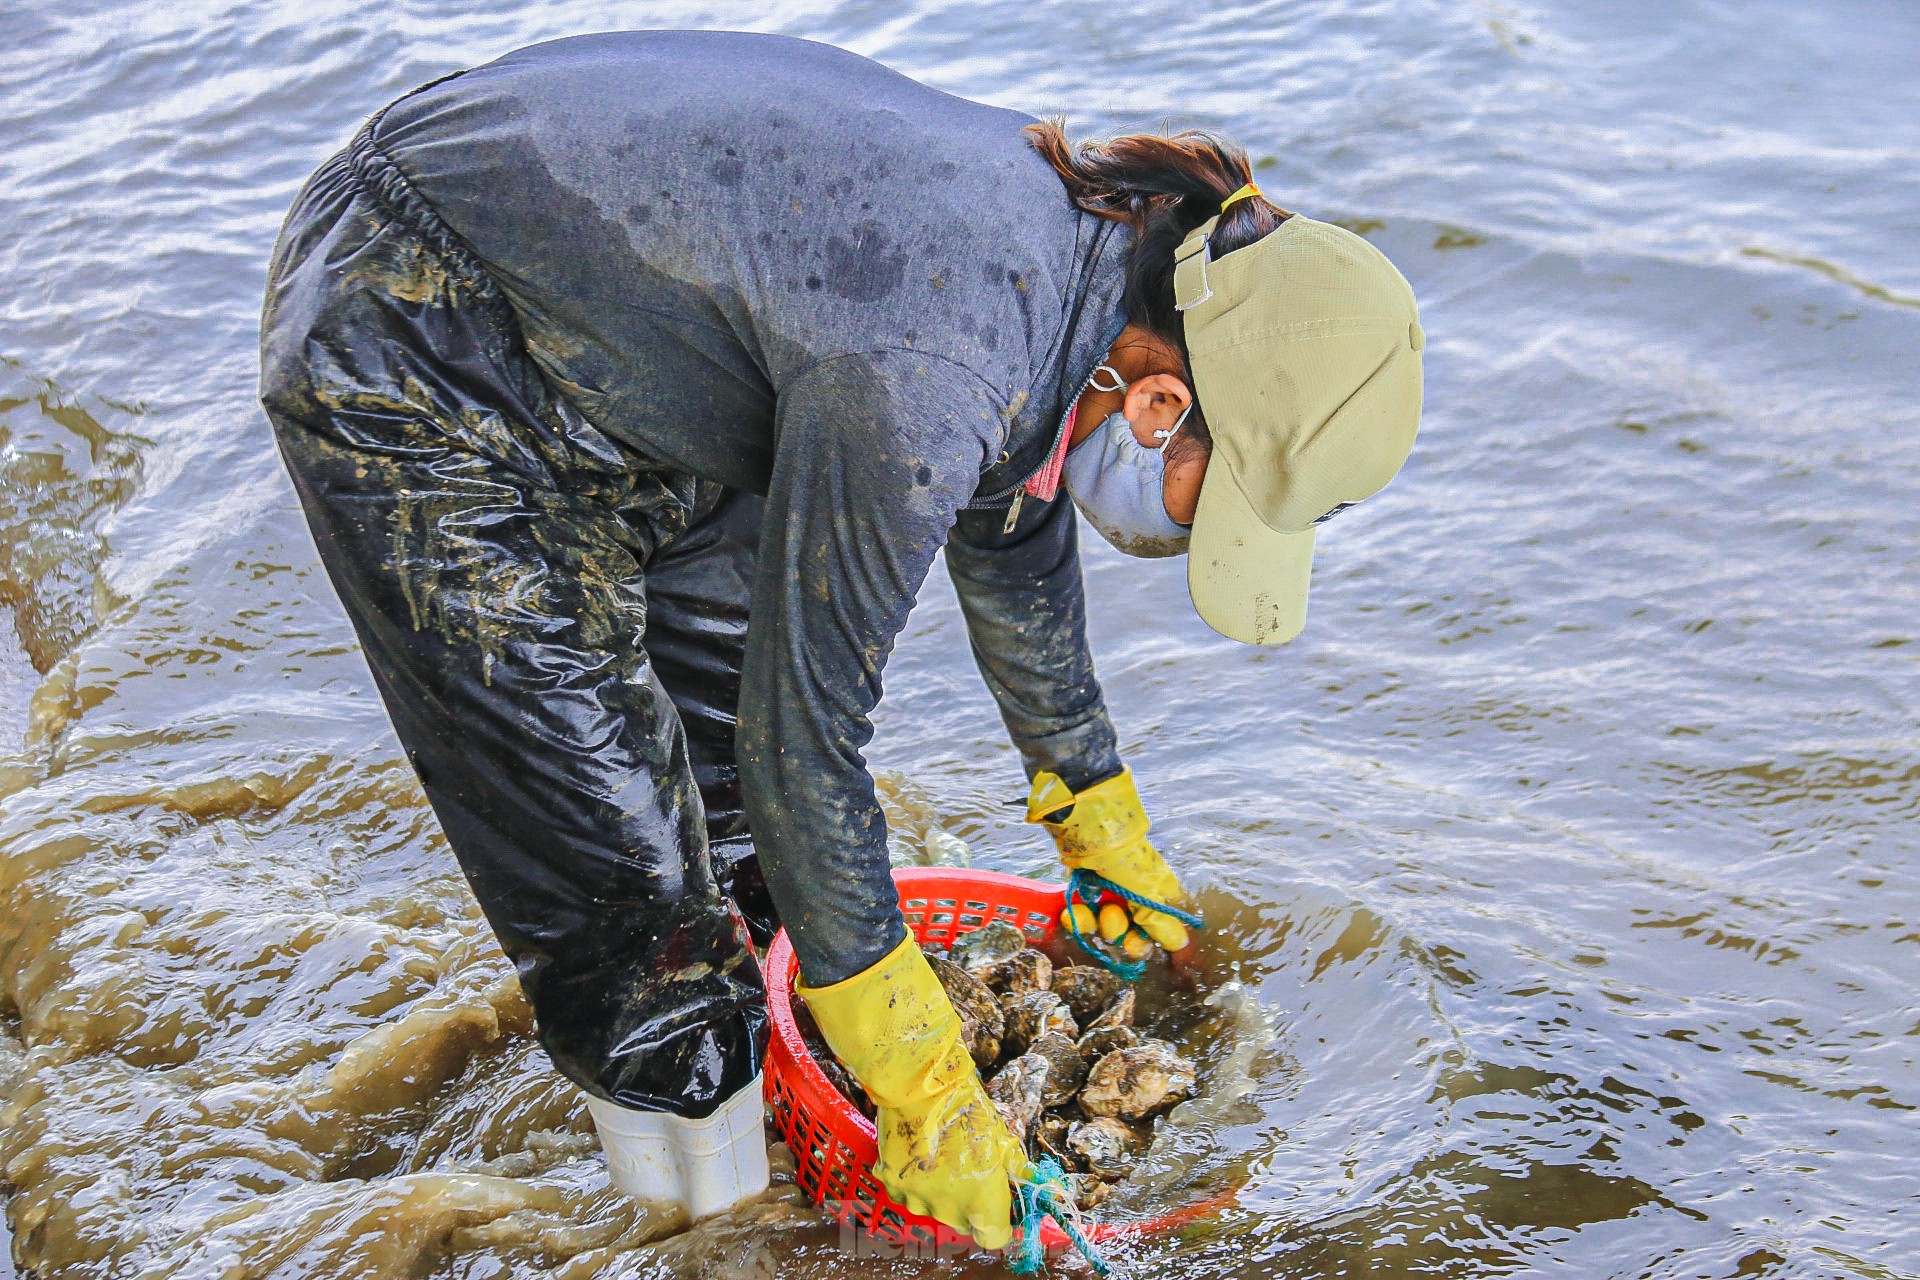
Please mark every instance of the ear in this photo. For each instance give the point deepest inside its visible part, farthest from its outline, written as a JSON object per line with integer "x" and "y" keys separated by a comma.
{"x": 1153, "y": 404}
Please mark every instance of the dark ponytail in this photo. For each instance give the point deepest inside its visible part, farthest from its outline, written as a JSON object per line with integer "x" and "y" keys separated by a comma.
{"x": 1162, "y": 187}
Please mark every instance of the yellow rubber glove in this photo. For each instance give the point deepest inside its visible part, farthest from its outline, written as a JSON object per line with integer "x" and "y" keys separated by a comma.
{"x": 944, "y": 1151}
{"x": 1106, "y": 833}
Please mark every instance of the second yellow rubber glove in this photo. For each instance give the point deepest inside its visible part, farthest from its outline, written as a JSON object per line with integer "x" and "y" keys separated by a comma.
{"x": 944, "y": 1151}
{"x": 1104, "y": 830}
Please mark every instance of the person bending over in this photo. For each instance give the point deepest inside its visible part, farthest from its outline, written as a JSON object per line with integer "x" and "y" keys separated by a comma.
{"x": 631, "y": 383}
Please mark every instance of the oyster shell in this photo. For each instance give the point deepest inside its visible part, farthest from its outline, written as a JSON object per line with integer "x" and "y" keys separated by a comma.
{"x": 1088, "y": 1191}
{"x": 1050, "y": 1135}
{"x": 1117, "y": 1014}
{"x": 1023, "y": 971}
{"x": 1137, "y": 1081}
{"x": 1082, "y": 1097}
{"x": 1030, "y": 1016}
{"x": 982, "y": 1022}
{"x": 1016, "y": 1092}
{"x": 1086, "y": 988}
{"x": 1106, "y": 1146}
{"x": 837, "y": 1076}
{"x": 987, "y": 946}
{"x": 1098, "y": 1043}
{"x": 1067, "y": 1066}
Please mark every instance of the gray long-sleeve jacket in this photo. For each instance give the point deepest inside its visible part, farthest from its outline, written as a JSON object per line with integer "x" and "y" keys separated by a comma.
{"x": 791, "y": 270}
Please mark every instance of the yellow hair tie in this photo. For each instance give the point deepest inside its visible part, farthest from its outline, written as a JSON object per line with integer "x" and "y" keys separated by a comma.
{"x": 1245, "y": 193}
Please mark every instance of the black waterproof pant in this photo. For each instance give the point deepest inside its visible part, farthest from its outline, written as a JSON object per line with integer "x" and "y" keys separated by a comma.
{"x": 556, "y": 623}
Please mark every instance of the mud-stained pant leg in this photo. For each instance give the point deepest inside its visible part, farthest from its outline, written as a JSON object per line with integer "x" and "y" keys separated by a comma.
{"x": 491, "y": 550}
{"x": 698, "y": 591}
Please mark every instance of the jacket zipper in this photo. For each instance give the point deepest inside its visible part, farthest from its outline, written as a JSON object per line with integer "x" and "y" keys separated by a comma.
{"x": 1019, "y": 491}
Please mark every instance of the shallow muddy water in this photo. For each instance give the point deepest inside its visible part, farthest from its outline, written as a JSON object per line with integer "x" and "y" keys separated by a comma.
{"x": 1568, "y": 863}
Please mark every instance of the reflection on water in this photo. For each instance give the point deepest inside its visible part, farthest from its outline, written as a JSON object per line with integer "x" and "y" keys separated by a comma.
{"x": 1561, "y": 879}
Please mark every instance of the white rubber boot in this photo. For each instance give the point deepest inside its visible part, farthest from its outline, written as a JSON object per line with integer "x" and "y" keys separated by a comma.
{"x": 707, "y": 1165}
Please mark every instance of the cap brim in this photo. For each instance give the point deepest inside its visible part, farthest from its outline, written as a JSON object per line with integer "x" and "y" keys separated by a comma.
{"x": 1248, "y": 582}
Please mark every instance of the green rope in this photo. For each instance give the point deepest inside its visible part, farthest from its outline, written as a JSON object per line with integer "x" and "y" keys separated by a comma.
{"x": 1043, "y": 1194}
{"x": 1078, "y": 884}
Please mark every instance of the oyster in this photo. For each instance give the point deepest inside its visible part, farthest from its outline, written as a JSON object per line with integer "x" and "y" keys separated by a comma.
{"x": 1117, "y": 1014}
{"x": 1023, "y": 971}
{"x": 1079, "y": 1084}
{"x": 849, "y": 1088}
{"x": 1016, "y": 1092}
{"x": 1086, "y": 988}
{"x": 982, "y": 1022}
{"x": 1088, "y": 1191}
{"x": 987, "y": 946}
{"x": 1050, "y": 1135}
{"x": 1030, "y": 1016}
{"x": 1138, "y": 1081}
{"x": 1101, "y": 1041}
{"x": 1107, "y": 1147}
{"x": 1066, "y": 1066}
{"x": 837, "y": 1076}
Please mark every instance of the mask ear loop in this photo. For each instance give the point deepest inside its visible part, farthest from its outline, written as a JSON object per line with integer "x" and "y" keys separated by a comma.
{"x": 1120, "y": 384}
{"x": 1181, "y": 421}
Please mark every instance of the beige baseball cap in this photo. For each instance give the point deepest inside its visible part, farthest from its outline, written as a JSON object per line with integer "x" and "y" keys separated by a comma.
{"x": 1305, "y": 350}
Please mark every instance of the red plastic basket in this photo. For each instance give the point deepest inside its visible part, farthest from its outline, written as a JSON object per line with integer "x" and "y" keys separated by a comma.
{"x": 833, "y": 1145}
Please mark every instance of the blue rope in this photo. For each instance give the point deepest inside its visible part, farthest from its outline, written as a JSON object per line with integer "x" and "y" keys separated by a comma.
{"x": 1078, "y": 882}
{"x": 1121, "y": 967}
{"x": 1099, "y": 881}
{"x": 1042, "y": 1195}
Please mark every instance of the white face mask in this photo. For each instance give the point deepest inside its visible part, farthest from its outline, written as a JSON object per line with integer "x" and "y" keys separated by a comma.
{"x": 1119, "y": 484}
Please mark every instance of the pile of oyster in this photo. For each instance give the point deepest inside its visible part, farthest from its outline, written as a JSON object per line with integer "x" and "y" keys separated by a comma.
{"x": 1057, "y": 1047}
